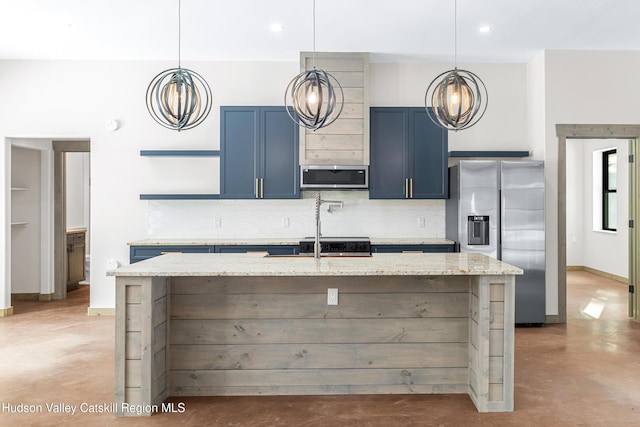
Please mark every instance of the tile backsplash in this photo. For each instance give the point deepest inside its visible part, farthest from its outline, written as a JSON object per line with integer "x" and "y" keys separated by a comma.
{"x": 296, "y": 218}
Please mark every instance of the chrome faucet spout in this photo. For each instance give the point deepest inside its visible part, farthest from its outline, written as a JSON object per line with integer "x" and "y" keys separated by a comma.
{"x": 319, "y": 202}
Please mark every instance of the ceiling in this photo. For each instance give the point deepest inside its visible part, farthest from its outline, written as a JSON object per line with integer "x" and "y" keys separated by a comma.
{"x": 240, "y": 30}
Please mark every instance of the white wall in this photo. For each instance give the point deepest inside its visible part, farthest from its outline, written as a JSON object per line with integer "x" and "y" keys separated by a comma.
{"x": 536, "y": 106}
{"x": 576, "y": 187}
{"x": 5, "y": 225}
{"x": 504, "y": 125}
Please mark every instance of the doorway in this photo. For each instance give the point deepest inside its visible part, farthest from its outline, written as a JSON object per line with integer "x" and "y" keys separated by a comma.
{"x": 588, "y": 132}
{"x": 38, "y": 216}
{"x": 61, "y": 268}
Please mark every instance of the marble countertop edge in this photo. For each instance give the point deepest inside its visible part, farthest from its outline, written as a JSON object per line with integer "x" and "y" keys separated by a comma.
{"x": 257, "y": 264}
{"x": 281, "y": 241}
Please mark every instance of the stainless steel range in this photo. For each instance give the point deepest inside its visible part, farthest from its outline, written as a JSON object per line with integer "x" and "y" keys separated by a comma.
{"x": 337, "y": 246}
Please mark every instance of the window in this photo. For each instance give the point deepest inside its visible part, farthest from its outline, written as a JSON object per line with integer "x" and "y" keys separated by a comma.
{"x": 609, "y": 186}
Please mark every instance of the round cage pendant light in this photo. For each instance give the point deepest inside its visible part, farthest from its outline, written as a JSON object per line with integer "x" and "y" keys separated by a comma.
{"x": 179, "y": 98}
{"x": 314, "y": 98}
{"x": 456, "y": 99}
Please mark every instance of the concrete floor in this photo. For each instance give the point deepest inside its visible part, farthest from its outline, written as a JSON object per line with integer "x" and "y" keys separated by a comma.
{"x": 584, "y": 373}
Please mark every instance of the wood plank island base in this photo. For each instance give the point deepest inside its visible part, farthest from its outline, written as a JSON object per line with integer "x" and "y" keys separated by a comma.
{"x": 249, "y": 324}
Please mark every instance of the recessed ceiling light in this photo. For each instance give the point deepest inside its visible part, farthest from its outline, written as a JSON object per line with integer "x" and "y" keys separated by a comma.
{"x": 485, "y": 29}
{"x": 276, "y": 28}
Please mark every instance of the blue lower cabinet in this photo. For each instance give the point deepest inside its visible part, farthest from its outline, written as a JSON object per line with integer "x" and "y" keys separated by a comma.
{"x": 272, "y": 249}
{"x": 412, "y": 248}
{"x": 142, "y": 252}
{"x": 139, "y": 253}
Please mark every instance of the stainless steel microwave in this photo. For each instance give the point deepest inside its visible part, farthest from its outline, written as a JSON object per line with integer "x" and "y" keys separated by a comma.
{"x": 334, "y": 177}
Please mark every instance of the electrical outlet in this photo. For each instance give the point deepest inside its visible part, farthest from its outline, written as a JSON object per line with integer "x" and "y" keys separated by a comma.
{"x": 421, "y": 222}
{"x": 217, "y": 222}
{"x": 285, "y": 222}
{"x": 332, "y": 296}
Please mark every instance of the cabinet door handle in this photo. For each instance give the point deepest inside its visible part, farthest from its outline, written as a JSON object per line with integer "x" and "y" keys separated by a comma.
{"x": 257, "y": 185}
{"x": 262, "y": 188}
{"x": 406, "y": 188}
{"x": 411, "y": 187}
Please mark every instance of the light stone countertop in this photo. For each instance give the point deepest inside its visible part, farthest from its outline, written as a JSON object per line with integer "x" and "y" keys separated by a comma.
{"x": 282, "y": 241}
{"x": 258, "y": 264}
{"x": 215, "y": 241}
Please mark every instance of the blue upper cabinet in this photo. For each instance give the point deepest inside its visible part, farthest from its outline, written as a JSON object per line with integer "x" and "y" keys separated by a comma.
{"x": 239, "y": 130}
{"x": 428, "y": 157}
{"x": 279, "y": 160}
{"x": 409, "y": 155}
{"x": 258, "y": 153}
{"x": 389, "y": 152}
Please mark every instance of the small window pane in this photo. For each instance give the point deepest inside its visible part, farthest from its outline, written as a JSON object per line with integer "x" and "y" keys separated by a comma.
{"x": 612, "y": 167}
{"x": 612, "y": 204}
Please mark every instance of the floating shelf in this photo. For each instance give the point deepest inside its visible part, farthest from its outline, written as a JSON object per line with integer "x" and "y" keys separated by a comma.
{"x": 179, "y": 196}
{"x": 180, "y": 153}
{"x": 489, "y": 154}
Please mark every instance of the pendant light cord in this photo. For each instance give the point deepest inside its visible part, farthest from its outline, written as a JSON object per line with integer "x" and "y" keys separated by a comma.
{"x": 179, "y": 32}
{"x": 314, "y": 35}
{"x": 455, "y": 34}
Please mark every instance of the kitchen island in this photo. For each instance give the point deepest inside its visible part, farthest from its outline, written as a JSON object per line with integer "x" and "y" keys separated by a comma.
{"x": 249, "y": 324}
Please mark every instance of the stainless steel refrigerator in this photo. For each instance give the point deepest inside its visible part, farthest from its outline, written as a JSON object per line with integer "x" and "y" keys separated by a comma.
{"x": 497, "y": 208}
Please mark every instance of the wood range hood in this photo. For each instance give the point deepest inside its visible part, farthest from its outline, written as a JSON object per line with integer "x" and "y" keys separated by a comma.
{"x": 345, "y": 141}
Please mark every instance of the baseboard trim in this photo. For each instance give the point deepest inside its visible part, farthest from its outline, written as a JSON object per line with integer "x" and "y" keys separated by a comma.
{"x": 32, "y": 296}
{"x": 600, "y": 273}
{"x": 26, "y": 296}
{"x": 104, "y": 311}
{"x": 552, "y": 318}
{"x": 6, "y": 312}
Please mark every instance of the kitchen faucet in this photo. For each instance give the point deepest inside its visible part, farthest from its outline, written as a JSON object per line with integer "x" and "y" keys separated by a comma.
{"x": 319, "y": 202}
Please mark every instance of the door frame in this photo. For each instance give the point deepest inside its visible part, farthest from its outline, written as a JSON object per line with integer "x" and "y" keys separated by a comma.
{"x": 595, "y": 131}
{"x": 60, "y": 148}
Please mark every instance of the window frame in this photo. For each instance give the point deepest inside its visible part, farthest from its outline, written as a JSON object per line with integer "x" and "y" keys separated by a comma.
{"x": 606, "y": 191}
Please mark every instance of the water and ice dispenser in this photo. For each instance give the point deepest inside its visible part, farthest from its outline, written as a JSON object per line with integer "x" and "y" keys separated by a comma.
{"x": 478, "y": 229}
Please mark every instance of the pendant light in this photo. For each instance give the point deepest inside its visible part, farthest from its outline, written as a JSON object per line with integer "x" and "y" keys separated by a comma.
{"x": 179, "y": 98}
{"x": 314, "y": 98}
{"x": 456, "y": 99}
